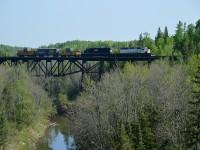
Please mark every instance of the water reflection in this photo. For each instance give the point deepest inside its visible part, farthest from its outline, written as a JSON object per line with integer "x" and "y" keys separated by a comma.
{"x": 59, "y": 137}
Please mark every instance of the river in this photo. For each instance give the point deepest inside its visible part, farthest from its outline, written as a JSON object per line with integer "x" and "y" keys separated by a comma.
{"x": 58, "y": 137}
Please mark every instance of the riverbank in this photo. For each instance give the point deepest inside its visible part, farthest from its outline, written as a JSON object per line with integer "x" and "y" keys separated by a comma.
{"x": 28, "y": 137}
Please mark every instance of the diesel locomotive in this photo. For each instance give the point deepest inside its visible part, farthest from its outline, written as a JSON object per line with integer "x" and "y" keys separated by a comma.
{"x": 135, "y": 51}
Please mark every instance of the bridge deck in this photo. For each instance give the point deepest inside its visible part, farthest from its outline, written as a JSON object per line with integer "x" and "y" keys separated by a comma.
{"x": 88, "y": 58}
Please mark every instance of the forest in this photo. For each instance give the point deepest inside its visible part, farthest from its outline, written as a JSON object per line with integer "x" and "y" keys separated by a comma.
{"x": 140, "y": 108}
{"x": 185, "y": 42}
{"x": 134, "y": 106}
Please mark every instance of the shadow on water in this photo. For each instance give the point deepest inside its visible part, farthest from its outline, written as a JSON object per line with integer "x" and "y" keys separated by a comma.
{"x": 58, "y": 137}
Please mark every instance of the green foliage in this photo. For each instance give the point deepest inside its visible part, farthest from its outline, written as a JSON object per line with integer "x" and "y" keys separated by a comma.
{"x": 62, "y": 103}
{"x": 192, "y": 66}
{"x": 6, "y": 50}
{"x": 19, "y": 116}
{"x": 142, "y": 134}
{"x": 139, "y": 138}
{"x": 148, "y": 137}
{"x": 158, "y": 36}
{"x": 150, "y": 102}
{"x": 22, "y": 102}
{"x": 63, "y": 91}
{"x": 124, "y": 139}
{"x": 197, "y": 32}
{"x": 166, "y": 34}
{"x": 193, "y": 129}
{"x": 19, "y": 102}
{"x": 178, "y": 37}
{"x": 87, "y": 82}
{"x": 185, "y": 42}
{"x": 186, "y": 39}
{"x": 3, "y": 127}
{"x": 146, "y": 41}
{"x": 82, "y": 45}
{"x": 140, "y": 39}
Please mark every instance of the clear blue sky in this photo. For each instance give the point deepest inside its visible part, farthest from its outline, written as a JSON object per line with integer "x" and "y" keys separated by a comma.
{"x": 34, "y": 23}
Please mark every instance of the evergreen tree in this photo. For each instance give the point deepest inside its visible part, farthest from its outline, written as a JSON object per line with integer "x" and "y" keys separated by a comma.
{"x": 197, "y": 31}
{"x": 184, "y": 27}
{"x": 160, "y": 42}
{"x": 124, "y": 139}
{"x": 140, "y": 144}
{"x": 148, "y": 138}
{"x": 193, "y": 129}
{"x": 178, "y": 38}
{"x": 191, "y": 35}
{"x": 191, "y": 31}
{"x": 140, "y": 40}
{"x": 166, "y": 35}
{"x": 186, "y": 52}
{"x": 197, "y": 37}
{"x": 137, "y": 136}
{"x": 159, "y": 35}
{"x": 198, "y": 49}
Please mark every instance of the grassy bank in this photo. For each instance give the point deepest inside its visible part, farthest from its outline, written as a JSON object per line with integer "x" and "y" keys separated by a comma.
{"x": 28, "y": 137}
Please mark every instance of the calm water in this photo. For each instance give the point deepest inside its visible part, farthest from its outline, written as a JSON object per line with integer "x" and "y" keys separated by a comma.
{"x": 59, "y": 137}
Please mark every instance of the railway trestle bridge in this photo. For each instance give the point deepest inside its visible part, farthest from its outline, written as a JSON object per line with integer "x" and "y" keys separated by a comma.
{"x": 63, "y": 66}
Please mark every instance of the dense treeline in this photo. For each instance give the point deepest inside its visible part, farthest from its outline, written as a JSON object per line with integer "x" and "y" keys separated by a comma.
{"x": 6, "y": 50}
{"x": 185, "y": 42}
{"x": 139, "y": 108}
{"x": 23, "y": 105}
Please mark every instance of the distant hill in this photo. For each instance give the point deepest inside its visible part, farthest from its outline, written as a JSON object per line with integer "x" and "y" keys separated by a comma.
{"x": 82, "y": 45}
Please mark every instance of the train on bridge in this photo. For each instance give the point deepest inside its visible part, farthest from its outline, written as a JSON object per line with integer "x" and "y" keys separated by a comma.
{"x": 90, "y": 52}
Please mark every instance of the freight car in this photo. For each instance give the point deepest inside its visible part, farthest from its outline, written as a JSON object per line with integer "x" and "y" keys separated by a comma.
{"x": 27, "y": 52}
{"x": 41, "y": 52}
{"x": 69, "y": 52}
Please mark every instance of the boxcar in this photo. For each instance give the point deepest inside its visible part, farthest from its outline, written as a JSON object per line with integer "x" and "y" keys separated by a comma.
{"x": 41, "y": 52}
